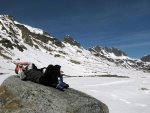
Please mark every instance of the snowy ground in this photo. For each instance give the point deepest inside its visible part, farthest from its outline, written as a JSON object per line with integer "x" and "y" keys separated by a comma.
{"x": 121, "y": 95}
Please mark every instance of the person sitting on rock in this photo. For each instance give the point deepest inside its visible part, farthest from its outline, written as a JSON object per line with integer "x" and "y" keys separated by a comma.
{"x": 51, "y": 76}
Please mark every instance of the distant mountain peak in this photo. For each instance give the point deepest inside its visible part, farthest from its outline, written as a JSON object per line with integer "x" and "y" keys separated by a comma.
{"x": 146, "y": 58}
{"x": 107, "y": 51}
{"x": 71, "y": 41}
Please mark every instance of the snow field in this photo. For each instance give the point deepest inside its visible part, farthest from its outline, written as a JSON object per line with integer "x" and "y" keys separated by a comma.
{"x": 121, "y": 95}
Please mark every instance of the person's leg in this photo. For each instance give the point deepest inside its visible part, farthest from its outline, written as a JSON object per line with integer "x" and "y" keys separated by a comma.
{"x": 61, "y": 82}
{"x": 60, "y": 78}
{"x": 57, "y": 74}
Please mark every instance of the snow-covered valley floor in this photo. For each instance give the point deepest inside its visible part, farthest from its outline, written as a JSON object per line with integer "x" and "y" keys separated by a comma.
{"x": 121, "y": 95}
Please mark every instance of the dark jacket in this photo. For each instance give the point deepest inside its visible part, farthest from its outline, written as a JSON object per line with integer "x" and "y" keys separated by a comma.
{"x": 33, "y": 75}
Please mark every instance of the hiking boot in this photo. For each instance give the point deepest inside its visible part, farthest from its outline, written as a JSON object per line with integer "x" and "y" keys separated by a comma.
{"x": 60, "y": 87}
{"x": 65, "y": 85}
{"x": 60, "y": 81}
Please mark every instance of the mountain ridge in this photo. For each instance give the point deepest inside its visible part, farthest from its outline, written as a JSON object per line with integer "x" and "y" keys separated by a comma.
{"x": 23, "y": 42}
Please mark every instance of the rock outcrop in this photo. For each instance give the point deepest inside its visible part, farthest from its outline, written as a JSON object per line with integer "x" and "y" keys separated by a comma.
{"x": 18, "y": 96}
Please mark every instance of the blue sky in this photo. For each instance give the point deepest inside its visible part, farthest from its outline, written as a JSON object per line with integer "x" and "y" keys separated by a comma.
{"x": 124, "y": 24}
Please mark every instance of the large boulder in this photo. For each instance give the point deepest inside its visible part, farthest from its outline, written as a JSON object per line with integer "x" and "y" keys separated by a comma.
{"x": 17, "y": 96}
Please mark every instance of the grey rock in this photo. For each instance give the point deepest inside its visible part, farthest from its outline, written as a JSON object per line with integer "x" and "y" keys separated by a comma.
{"x": 17, "y": 96}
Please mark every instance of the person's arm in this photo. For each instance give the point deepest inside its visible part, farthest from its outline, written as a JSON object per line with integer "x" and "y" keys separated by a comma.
{"x": 19, "y": 66}
{"x": 23, "y": 63}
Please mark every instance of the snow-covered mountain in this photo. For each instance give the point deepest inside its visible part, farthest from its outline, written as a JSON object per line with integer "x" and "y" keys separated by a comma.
{"x": 20, "y": 42}
{"x": 146, "y": 58}
{"x": 120, "y": 58}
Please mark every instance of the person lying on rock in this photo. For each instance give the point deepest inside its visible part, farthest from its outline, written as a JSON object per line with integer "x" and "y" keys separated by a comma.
{"x": 51, "y": 76}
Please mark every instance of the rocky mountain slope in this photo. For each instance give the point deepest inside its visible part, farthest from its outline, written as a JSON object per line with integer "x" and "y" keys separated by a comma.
{"x": 19, "y": 42}
{"x": 120, "y": 58}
